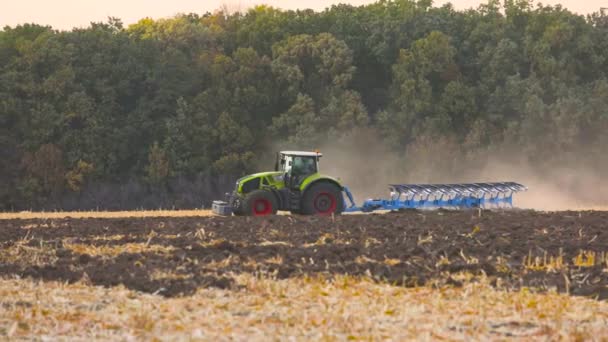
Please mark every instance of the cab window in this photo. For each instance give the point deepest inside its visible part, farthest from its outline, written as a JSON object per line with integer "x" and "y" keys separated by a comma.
{"x": 304, "y": 165}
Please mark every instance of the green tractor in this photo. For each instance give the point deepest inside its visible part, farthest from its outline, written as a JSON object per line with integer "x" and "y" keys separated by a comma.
{"x": 295, "y": 185}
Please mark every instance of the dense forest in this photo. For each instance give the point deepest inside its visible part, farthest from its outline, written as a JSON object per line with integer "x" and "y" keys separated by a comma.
{"x": 168, "y": 112}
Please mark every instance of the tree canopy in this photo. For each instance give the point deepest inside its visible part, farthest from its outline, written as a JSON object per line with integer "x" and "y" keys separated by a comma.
{"x": 166, "y": 112}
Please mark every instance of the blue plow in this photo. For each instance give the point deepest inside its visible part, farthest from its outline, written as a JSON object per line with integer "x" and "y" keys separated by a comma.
{"x": 449, "y": 196}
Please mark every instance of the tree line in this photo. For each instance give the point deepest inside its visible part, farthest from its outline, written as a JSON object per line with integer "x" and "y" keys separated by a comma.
{"x": 168, "y": 112}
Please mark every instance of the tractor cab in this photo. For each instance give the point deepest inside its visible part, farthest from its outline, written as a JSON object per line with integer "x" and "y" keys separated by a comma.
{"x": 297, "y": 165}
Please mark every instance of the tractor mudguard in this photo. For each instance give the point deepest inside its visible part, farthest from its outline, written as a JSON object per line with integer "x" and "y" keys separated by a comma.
{"x": 317, "y": 177}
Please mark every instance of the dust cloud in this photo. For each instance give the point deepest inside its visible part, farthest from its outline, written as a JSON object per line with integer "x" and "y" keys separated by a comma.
{"x": 363, "y": 163}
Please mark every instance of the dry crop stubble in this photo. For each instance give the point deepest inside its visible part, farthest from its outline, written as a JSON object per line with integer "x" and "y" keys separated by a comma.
{"x": 305, "y": 308}
{"x": 103, "y": 214}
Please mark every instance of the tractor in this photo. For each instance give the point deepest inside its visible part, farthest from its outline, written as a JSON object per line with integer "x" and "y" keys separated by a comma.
{"x": 295, "y": 185}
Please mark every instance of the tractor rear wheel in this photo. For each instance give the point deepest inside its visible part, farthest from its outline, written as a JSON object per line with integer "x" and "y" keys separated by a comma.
{"x": 322, "y": 199}
{"x": 260, "y": 203}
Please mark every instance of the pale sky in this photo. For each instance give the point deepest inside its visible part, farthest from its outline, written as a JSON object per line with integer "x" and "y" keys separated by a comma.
{"x": 65, "y": 14}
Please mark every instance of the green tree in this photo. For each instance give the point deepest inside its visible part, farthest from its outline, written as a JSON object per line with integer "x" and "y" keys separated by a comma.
{"x": 315, "y": 73}
{"x": 44, "y": 172}
{"x": 158, "y": 169}
{"x": 420, "y": 78}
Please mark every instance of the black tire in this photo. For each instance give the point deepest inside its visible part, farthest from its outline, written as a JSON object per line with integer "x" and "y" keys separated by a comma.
{"x": 259, "y": 203}
{"x": 237, "y": 211}
{"x": 237, "y": 207}
{"x": 322, "y": 199}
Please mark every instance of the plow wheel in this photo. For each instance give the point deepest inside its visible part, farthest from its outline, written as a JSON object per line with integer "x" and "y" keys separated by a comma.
{"x": 260, "y": 203}
{"x": 322, "y": 199}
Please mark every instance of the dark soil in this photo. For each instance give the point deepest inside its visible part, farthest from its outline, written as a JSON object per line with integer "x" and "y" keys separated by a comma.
{"x": 406, "y": 248}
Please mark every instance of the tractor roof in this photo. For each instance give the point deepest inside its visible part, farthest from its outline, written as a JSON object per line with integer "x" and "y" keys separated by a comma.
{"x": 302, "y": 153}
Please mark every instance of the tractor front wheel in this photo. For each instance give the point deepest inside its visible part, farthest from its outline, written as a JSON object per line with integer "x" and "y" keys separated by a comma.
{"x": 260, "y": 203}
{"x": 322, "y": 199}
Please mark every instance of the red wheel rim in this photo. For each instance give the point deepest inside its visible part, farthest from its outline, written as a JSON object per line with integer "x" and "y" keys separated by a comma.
{"x": 325, "y": 203}
{"x": 262, "y": 207}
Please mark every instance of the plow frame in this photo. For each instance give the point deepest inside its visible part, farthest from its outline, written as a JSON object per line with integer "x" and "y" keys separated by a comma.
{"x": 433, "y": 196}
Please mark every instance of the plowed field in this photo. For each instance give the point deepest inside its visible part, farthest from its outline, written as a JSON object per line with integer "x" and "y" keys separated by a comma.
{"x": 175, "y": 256}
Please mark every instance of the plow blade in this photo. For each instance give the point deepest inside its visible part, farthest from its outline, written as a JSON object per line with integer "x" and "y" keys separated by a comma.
{"x": 458, "y": 196}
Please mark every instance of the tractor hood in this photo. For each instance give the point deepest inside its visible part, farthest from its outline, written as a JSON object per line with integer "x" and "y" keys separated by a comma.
{"x": 253, "y": 181}
{"x": 274, "y": 174}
